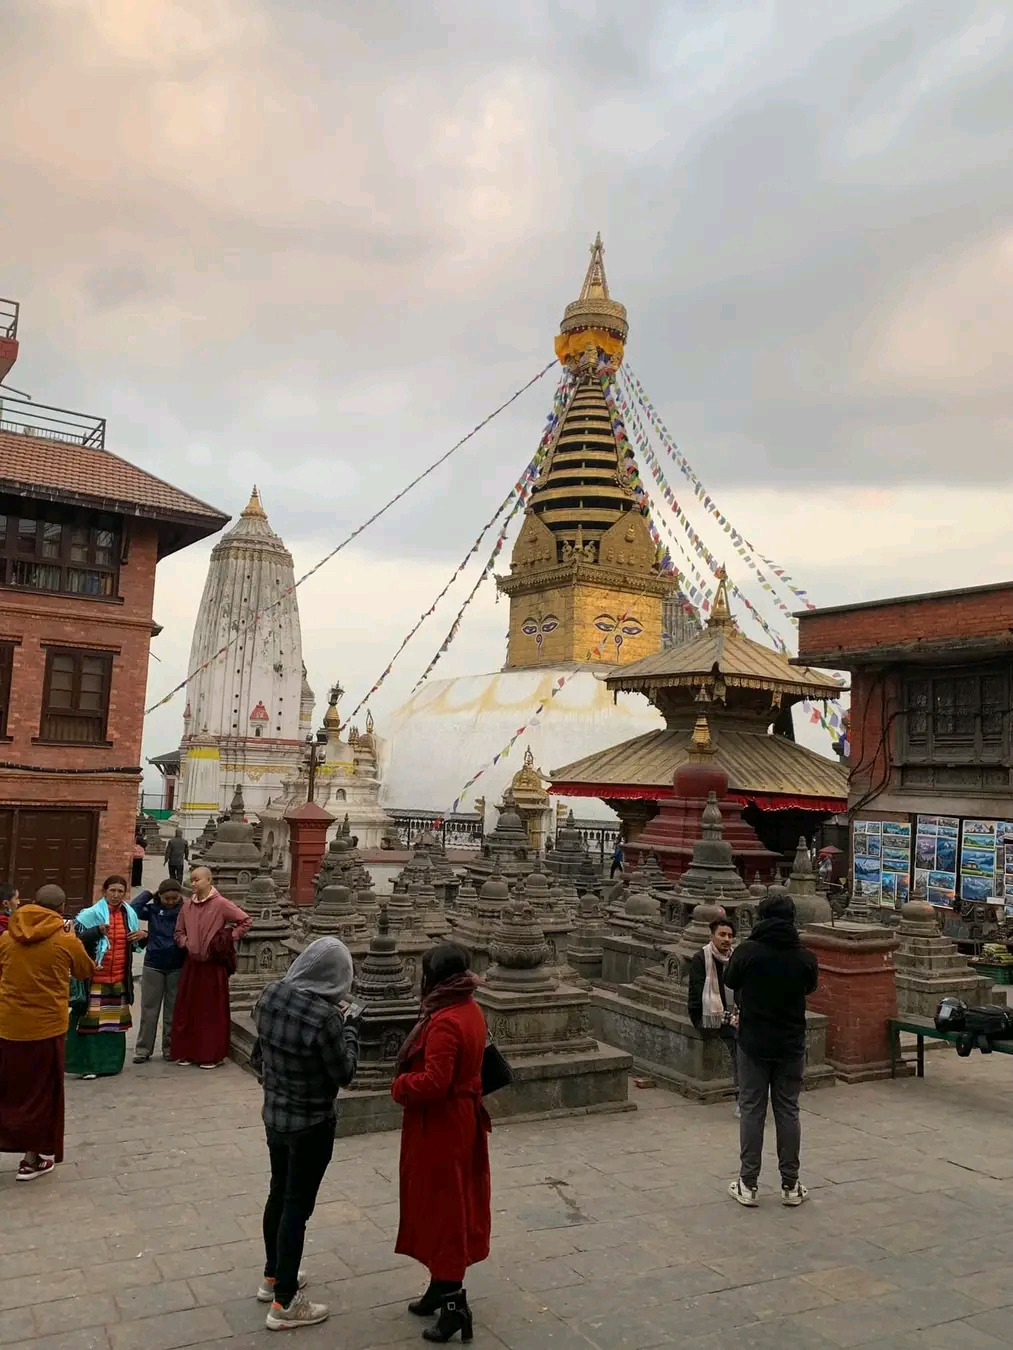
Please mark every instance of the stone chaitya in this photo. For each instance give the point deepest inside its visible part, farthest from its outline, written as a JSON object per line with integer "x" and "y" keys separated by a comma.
{"x": 636, "y": 937}
{"x": 712, "y": 874}
{"x": 506, "y": 851}
{"x": 543, "y": 1028}
{"x": 474, "y": 930}
{"x": 566, "y": 857}
{"x": 555, "y": 917}
{"x": 234, "y": 858}
{"x": 390, "y": 1010}
{"x": 336, "y": 914}
{"x": 268, "y": 948}
{"x": 929, "y": 966}
{"x": 811, "y": 904}
{"x": 584, "y": 953}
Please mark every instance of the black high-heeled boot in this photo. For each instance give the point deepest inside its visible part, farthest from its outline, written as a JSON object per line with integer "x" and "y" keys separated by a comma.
{"x": 455, "y": 1316}
{"x": 431, "y": 1301}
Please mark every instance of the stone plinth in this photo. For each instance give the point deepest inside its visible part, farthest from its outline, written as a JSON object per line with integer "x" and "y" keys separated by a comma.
{"x": 858, "y": 995}
{"x": 543, "y": 1029}
{"x": 308, "y": 826}
{"x": 929, "y": 966}
{"x": 649, "y": 1017}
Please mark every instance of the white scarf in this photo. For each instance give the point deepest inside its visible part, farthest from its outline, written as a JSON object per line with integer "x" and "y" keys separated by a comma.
{"x": 713, "y": 1005}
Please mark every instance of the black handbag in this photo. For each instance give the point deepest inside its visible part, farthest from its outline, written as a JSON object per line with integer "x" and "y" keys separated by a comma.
{"x": 496, "y": 1072}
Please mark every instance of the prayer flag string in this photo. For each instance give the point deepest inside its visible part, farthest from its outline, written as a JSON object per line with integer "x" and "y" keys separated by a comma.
{"x": 256, "y": 618}
{"x": 520, "y": 487}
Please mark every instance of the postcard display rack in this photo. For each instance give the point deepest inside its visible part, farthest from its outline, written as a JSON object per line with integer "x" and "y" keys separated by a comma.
{"x": 953, "y": 858}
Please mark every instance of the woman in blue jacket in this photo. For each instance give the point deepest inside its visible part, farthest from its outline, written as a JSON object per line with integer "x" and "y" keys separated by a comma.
{"x": 163, "y": 961}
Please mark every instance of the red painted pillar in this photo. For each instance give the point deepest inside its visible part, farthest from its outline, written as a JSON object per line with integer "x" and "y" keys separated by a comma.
{"x": 308, "y": 826}
{"x": 857, "y": 993}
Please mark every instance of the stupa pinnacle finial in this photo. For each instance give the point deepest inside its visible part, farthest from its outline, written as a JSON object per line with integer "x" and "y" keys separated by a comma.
{"x": 595, "y": 321}
{"x": 721, "y": 610}
{"x": 595, "y": 285}
{"x": 254, "y": 507}
{"x": 701, "y": 745}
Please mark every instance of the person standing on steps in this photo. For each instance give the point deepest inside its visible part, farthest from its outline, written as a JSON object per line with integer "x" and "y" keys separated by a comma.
{"x": 771, "y": 974}
{"x": 177, "y": 852}
{"x": 307, "y": 1048}
{"x": 445, "y": 1189}
{"x": 201, "y": 1026}
{"x": 163, "y": 962}
{"x": 706, "y": 994}
{"x": 39, "y": 956}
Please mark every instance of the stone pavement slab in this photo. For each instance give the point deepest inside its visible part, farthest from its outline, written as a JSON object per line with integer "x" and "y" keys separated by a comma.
{"x": 609, "y": 1233}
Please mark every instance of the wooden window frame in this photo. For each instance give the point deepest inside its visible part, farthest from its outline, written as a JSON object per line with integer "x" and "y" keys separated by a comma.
{"x": 6, "y": 681}
{"x": 62, "y": 564}
{"x": 48, "y": 732}
{"x": 941, "y": 729}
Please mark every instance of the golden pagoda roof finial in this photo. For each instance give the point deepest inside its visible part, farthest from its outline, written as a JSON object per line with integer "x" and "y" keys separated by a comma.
{"x": 721, "y": 610}
{"x": 701, "y": 746}
{"x": 254, "y": 507}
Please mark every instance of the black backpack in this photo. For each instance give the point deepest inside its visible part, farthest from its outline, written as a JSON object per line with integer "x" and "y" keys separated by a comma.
{"x": 974, "y": 1026}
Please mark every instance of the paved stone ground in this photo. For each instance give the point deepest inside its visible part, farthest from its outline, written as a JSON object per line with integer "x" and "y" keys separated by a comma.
{"x": 608, "y": 1232}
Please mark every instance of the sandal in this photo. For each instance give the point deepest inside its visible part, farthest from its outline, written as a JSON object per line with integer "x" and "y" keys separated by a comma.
{"x": 28, "y": 1172}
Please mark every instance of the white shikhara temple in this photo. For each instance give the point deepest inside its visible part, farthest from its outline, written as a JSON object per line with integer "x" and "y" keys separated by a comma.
{"x": 249, "y": 710}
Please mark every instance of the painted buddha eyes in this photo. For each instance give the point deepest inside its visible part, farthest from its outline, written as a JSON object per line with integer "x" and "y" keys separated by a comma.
{"x": 626, "y": 628}
{"x": 538, "y": 629}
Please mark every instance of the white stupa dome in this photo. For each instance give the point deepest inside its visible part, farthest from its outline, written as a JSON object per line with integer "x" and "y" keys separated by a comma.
{"x": 452, "y": 728}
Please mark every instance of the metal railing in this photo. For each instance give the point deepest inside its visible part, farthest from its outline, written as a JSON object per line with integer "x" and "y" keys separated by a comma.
{"x": 9, "y": 311}
{"x": 25, "y": 418}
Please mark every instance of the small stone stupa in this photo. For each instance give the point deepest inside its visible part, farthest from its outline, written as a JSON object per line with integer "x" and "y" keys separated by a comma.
{"x": 930, "y": 967}
{"x": 811, "y": 904}
{"x": 584, "y": 953}
{"x": 543, "y": 1029}
{"x": 268, "y": 948}
{"x": 335, "y": 915}
{"x": 234, "y": 858}
{"x": 554, "y": 918}
{"x": 506, "y": 850}
{"x": 474, "y": 930}
{"x": 711, "y": 872}
{"x": 567, "y": 856}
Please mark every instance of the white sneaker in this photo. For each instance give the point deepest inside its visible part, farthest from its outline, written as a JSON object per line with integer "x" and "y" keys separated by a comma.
{"x": 265, "y": 1294}
{"x": 793, "y": 1196}
{"x": 299, "y": 1313}
{"x": 745, "y": 1195}
{"x": 738, "y": 1111}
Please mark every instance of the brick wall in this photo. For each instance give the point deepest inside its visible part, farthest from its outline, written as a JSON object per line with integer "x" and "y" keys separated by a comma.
{"x": 982, "y": 613}
{"x": 32, "y": 619}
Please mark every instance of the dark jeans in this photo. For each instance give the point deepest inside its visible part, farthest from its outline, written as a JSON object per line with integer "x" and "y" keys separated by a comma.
{"x": 781, "y": 1081}
{"x": 616, "y": 867}
{"x": 158, "y": 995}
{"x": 731, "y": 1044}
{"x": 298, "y": 1164}
{"x": 176, "y": 872}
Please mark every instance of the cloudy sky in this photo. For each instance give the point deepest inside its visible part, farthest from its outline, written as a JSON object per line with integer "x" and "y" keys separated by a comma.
{"x": 310, "y": 244}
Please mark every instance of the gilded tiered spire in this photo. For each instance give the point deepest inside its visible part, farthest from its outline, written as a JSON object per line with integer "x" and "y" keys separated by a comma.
{"x": 721, "y": 610}
{"x": 253, "y": 507}
{"x": 584, "y": 584}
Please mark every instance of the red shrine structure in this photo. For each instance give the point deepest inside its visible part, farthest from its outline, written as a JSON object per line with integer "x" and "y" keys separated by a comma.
{"x": 727, "y": 704}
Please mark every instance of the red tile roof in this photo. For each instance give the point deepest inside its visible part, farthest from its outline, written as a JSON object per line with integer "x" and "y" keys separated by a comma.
{"x": 35, "y": 465}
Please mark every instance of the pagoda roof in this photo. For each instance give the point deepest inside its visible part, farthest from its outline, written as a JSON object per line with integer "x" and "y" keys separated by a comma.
{"x": 721, "y": 649}
{"x": 773, "y": 769}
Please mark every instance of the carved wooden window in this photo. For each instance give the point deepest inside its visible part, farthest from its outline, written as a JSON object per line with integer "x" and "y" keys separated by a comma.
{"x": 958, "y": 716}
{"x": 75, "y": 697}
{"x": 46, "y": 547}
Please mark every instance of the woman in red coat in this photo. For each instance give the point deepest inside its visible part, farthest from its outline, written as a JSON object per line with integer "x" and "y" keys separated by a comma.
{"x": 446, "y": 1203}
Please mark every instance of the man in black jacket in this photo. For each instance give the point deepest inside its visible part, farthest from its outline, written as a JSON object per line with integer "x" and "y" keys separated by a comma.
{"x": 771, "y": 973}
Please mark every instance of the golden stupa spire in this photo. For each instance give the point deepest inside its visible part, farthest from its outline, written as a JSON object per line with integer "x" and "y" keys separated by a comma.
{"x": 701, "y": 744}
{"x": 595, "y": 286}
{"x": 721, "y": 610}
{"x": 254, "y": 507}
{"x": 595, "y": 324}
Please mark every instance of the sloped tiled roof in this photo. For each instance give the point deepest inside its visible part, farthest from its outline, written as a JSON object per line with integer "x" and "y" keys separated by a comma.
{"x": 738, "y": 658}
{"x": 754, "y": 762}
{"x": 35, "y": 464}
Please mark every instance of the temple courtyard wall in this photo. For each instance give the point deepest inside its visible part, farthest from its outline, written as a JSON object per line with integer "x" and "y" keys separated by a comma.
{"x": 609, "y": 1231}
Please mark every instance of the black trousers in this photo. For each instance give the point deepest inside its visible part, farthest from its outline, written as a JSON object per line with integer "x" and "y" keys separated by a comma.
{"x": 176, "y": 872}
{"x": 780, "y": 1081}
{"x": 616, "y": 867}
{"x": 298, "y": 1164}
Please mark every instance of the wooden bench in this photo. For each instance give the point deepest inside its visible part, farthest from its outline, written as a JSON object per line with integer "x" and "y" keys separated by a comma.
{"x": 922, "y": 1028}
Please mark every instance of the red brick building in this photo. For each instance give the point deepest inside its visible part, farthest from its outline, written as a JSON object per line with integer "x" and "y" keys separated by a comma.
{"x": 81, "y": 532}
{"x": 930, "y": 731}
